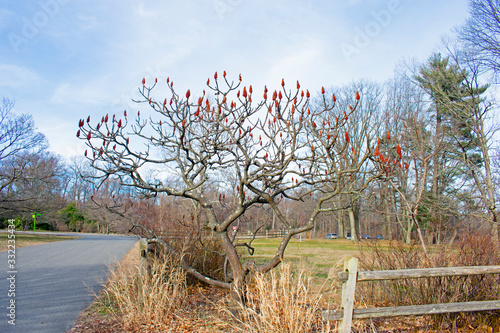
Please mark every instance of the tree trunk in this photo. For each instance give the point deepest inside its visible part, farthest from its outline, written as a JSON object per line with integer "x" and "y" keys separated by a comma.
{"x": 239, "y": 290}
{"x": 490, "y": 189}
{"x": 421, "y": 237}
{"x": 340, "y": 218}
{"x": 455, "y": 233}
{"x": 238, "y": 286}
{"x": 408, "y": 231}
{"x": 354, "y": 224}
{"x": 387, "y": 229}
{"x": 436, "y": 170}
{"x": 356, "y": 211}
{"x": 494, "y": 226}
{"x": 274, "y": 221}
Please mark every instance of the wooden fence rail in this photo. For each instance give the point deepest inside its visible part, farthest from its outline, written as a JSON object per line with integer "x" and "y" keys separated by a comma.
{"x": 351, "y": 275}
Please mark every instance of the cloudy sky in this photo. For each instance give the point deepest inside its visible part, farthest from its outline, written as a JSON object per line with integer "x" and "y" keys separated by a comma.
{"x": 62, "y": 60}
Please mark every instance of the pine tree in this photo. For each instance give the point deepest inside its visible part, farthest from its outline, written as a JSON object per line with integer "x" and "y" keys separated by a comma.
{"x": 450, "y": 98}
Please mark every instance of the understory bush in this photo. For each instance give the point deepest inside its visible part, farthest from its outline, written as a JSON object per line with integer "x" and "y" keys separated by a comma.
{"x": 203, "y": 254}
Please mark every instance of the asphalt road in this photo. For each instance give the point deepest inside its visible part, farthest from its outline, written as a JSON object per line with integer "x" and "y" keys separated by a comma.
{"x": 54, "y": 282}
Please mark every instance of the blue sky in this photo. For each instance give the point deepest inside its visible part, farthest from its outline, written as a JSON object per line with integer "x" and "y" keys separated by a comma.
{"x": 62, "y": 60}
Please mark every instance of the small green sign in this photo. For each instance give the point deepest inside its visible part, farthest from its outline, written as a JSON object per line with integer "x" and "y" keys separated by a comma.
{"x": 34, "y": 223}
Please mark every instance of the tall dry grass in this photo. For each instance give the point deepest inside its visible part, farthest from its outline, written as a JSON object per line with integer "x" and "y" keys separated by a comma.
{"x": 144, "y": 299}
{"x": 281, "y": 301}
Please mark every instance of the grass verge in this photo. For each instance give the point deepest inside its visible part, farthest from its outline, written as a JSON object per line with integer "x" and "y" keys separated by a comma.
{"x": 23, "y": 240}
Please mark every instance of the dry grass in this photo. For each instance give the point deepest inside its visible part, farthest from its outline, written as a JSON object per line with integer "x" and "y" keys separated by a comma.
{"x": 28, "y": 239}
{"x": 150, "y": 298}
{"x": 280, "y": 302}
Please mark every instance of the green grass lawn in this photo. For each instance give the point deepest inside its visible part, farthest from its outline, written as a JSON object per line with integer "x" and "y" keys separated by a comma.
{"x": 30, "y": 239}
{"x": 318, "y": 257}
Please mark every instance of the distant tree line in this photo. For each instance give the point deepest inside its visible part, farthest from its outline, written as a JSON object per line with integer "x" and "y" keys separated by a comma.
{"x": 34, "y": 180}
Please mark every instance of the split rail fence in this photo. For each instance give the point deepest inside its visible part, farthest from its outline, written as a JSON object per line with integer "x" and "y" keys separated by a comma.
{"x": 351, "y": 275}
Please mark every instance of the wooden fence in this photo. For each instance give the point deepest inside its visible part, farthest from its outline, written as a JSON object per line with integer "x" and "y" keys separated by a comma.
{"x": 351, "y": 275}
{"x": 182, "y": 234}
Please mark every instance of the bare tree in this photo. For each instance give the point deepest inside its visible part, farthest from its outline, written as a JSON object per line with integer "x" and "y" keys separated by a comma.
{"x": 28, "y": 174}
{"x": 18, "y": 133}
{"x": 481, "y": 33}
{"x": 78, "y": 183}
{"x": 475, "y": 135}
{"x": 362, "y": 127}
{"x": 407, "y": 120}
{"x": 35, "y": 186}
{"x": 110, "y": 208}
{"x": 275, "y": 149}
{"x": 17, "y": 136}
{"x": 411, "y": 196}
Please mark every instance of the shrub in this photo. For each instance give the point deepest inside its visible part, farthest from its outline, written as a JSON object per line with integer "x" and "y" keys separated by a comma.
{"x": 203, "y": 254}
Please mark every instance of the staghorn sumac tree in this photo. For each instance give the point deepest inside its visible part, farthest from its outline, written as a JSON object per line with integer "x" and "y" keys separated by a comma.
{"x": 260, "y": 150}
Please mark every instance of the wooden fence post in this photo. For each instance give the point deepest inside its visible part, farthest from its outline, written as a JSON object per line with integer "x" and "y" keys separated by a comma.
{"x": 143, "y": 255}
{"x": 143, "y": 258}
{"x": 348, "y": 290}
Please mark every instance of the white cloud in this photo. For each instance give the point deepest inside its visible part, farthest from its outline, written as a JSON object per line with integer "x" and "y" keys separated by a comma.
{"x": 82, "y": 94}
{"x": 14, "y": 76}
{"x": 61, "y": 93}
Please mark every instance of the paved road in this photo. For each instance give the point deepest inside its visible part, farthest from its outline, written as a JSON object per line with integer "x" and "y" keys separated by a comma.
{"x": 54, "y": 282}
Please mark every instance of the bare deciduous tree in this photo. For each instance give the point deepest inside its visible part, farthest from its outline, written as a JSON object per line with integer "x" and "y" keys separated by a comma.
{"x": 481, "y": 33}
{"x": 474, "y": 114}
{"x": 26, "y": 171}
{"x": 17, "y": 136}
{"x": 362, "y": 127}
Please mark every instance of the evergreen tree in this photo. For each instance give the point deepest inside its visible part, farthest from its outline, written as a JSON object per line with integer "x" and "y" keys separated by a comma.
{"x": 450, "y": 97}
{"x": 74, "y": 217}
